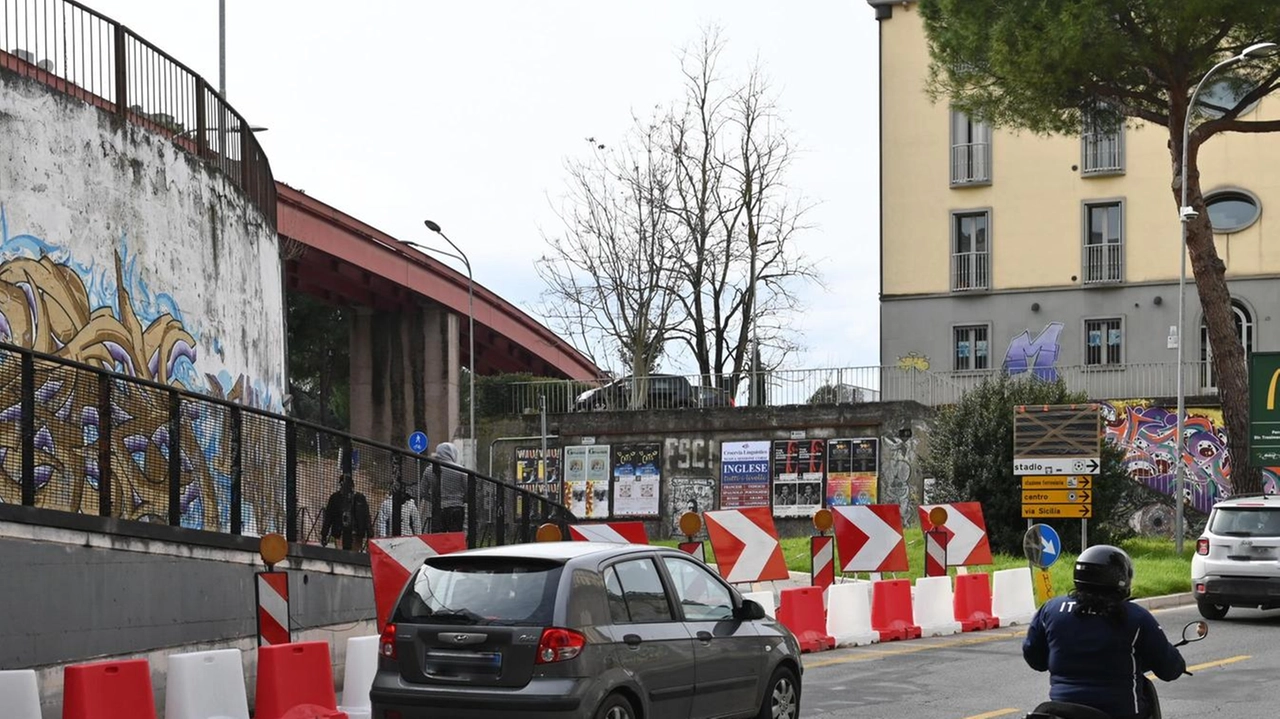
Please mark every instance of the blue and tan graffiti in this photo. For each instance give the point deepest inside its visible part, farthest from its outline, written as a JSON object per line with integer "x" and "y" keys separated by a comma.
{"x": 1038, "y": 356}
{"x": 1148, "y": 435}
{"x": 110, "y": 318}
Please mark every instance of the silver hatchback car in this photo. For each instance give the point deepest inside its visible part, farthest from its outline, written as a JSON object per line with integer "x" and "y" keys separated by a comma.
{"x": 1237, "y": 559}
{"x": 581, "y": 630}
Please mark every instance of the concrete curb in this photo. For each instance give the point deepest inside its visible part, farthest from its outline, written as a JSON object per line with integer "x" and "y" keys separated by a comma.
{"x": 1167, "y": 601}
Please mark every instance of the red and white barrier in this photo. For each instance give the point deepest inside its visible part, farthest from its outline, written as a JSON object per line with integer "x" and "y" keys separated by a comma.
{"x": 1012, "y": 596}
{"x": 966, "y": 532}
{"x": 746, "y": 545}
{"x": 822, "y": 564}
{"x": 615, "y": 532}
{"x": 891, "y": 612}
{"x": 800, "y": 610}
{"x": 272, "y": 592}
{"x": 934, "y": 610}
{"x": 935, "y": 553}
{"x": 973, "y": 603}
{"x": 870, "y": 538}
{"x": 109, "y": 690}
{"x": 849, "y": 614}
{"x": 20, "y": 693}
{"x": 393, "y": 559}
{"x": 295, "y": 676}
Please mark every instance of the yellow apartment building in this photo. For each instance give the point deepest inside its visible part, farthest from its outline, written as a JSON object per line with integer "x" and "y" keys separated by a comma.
{"x": 1056, "y": 255}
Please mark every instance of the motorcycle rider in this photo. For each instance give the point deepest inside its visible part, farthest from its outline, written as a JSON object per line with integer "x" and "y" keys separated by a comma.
{"x": 1096, "y": 644}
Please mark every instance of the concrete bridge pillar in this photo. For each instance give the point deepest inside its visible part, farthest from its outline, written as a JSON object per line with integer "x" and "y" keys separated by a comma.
{"x": 404, "y": 374}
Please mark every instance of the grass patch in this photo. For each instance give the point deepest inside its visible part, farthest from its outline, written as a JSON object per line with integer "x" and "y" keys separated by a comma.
{"x": 1158, "y": 569}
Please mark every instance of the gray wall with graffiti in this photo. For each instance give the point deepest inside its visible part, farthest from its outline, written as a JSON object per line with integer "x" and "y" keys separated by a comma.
{"x": 691, "y": 444}
{"x": 119, "y": 250}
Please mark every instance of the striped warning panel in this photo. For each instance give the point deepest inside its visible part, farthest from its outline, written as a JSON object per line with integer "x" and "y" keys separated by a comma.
{"x": 273, "y": 608}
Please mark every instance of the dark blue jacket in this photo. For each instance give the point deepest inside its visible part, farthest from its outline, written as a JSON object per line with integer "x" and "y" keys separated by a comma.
{"x": 1097, "y": 660}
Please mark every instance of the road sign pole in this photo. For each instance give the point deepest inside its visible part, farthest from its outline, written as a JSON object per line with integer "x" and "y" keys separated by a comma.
{"x": 1084, "y": 534}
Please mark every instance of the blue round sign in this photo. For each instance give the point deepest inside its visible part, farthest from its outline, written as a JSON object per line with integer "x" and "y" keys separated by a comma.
{"x": 1042, "y": 545}
{"x": 418, "y": 442}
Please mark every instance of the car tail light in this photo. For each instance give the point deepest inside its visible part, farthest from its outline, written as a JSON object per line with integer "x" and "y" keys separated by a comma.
{"x": 1199, "y": 588}
{"x": 387, "y": 647}
{"x": 1202, "y": 546}
{"x": 558, "y": 645}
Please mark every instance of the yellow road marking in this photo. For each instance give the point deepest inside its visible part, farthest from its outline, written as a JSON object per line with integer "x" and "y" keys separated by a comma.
{"x": 1213, "y": 664}
{"x": 994, "y": 714}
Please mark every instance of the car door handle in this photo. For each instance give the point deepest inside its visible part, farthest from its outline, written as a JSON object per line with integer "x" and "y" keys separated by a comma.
{"x": 632, "y": 640}
{"x": 704, "y": 637}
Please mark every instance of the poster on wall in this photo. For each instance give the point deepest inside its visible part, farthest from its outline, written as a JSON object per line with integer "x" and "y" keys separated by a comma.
{"x": 533, "y": 476}
{"x": 799, "y": 466}
{"x": 637, "y": 480}
{"x": 744, "y": 474}
{"x": 852, "y": 471}
{"x": 587, "y": 496}
{"x": 690, "y": 494}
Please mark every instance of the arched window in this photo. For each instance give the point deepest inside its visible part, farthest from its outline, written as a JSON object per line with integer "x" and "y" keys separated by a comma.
{"x": 1244, "y": 329}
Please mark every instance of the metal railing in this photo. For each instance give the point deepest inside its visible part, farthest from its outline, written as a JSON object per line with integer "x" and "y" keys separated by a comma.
{"x": 909, "y": 381}
{"x": 78, "y": 438}
{"x": 88, "y": 56}
{"x": 1102, "y": 153}
{"x": 1103, "y": 264}
{"x": 970, "y": 163}
{"x": 970, "y": 271}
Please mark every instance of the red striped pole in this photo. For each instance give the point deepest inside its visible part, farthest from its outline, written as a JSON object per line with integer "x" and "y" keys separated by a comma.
{"x": 822, "y": 567}
{"x": 935, "y": 553}
{"x": 272, "y": 592}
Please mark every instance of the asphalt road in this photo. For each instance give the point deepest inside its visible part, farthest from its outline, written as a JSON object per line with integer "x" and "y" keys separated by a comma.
{"x": 981, "y": 675}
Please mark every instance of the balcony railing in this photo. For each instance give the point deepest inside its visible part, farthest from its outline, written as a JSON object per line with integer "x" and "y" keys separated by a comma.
{"x": 970, "y": 271}
{"x": 1103, "y": 264}
{"x": 970, "y": 163}
{"x": 88, "y": 56}
{"x": 910, "y": 381}
{"x": 1102, "y": 153}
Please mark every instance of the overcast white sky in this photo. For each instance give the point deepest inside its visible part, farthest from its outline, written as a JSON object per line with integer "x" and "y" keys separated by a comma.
{"x": 463, "y": 112}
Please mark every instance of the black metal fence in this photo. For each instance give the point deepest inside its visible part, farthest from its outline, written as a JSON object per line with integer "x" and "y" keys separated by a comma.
{"x": 78, "y": 438}
{"x": 95, "y": 59}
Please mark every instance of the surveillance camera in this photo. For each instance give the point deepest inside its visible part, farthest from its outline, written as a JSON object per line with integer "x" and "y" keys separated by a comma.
{"x": 1188, "y": 214}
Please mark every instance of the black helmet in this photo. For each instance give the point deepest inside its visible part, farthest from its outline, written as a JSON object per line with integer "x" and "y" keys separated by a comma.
{"x": 1104, "y": 569}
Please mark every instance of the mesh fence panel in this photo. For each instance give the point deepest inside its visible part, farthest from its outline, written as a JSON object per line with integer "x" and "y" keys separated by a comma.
{"x": 10, "y": 428}
{"x": 262, "y": 474}
{"x": 140, "y": 452}
{"x": 64, "y": 455}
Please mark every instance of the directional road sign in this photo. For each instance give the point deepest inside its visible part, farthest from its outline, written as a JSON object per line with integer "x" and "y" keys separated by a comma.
{"x": 1042, "y": 545}
{"x": 1084, "y": 482}
{"x": 1057, "y": 511}
{"x": 1057, "y": 465}
{"x": 418, "y": 442}
{"x": 1056, "y": 496}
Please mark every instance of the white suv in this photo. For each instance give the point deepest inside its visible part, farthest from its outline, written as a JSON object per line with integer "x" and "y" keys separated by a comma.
{"x": 1237, "y": 559}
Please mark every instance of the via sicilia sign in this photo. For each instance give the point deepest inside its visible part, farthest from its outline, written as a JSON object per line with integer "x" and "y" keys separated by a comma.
{"x": 1264, "y": 409}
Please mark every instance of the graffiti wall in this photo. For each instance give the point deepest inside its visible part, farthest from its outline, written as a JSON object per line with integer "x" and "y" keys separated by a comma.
{"x": 119, "y": 251}
{"x": 1148, "y": 435}
{"x": 1037, "y": 355}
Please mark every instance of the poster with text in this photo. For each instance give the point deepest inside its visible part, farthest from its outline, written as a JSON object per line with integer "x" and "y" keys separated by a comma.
{"x": 534, "y": 476}
{"x": 744, "y": 474}
{"x": 690, "y": 494}
{"x": 799, "y": 467}
{"x": 637, "y": 480}
{"x": 851, "y": 471}
{"x": 591, "y": 498}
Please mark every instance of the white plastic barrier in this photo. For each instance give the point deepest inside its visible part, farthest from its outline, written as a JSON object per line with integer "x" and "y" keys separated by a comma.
{"x": 20, "y": 694}
{"x": 766, "y": 600}
{"x": 849, "y": 614}
{"x": 206, "y": 685}
{"x": 1012, "y": 598}
{"x": 357, "y": 678}
{"x": 934, "y": 610}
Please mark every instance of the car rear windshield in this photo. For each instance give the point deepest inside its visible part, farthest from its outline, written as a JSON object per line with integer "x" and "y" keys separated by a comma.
{"x": 1246, "y": 522}
{"x": 481, "y": 590}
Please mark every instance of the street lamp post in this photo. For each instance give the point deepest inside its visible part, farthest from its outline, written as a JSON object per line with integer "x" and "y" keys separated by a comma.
{"x": 471, "y": 326}
{"x": 1186, "y": 214}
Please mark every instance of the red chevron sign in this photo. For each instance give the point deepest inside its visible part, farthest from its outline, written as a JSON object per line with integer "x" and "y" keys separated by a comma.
{"x": 617, "y": 532}
{"x": 746, "y": 545}
{"x": 966, "y": 533}
{"x": 393, "y": 559}
{"x": 869, "y": 538}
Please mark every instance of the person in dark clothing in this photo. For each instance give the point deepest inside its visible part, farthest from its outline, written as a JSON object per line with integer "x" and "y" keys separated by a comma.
{"x": 448, "y": 485}
{"x": 1096, "y": 644}
{"x": 346, "y": 518}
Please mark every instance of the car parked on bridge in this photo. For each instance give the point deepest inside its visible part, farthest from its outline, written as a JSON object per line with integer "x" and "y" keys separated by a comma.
{"x": 1237, "y": 559}
{"x": 663, "y": 391}
{"x": 581, "y": 630}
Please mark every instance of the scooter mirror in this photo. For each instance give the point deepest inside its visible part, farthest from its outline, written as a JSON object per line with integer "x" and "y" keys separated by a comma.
{"x": 1195, "y": 631}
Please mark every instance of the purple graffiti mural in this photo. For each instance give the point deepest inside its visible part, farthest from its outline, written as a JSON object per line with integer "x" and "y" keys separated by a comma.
{"x": 1148, "y": 436}
{"x": 1038, "y": 356}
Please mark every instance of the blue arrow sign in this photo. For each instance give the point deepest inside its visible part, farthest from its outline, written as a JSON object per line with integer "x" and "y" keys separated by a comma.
{"x": 1050, "y": 545}
{"x": 418, "y": 442}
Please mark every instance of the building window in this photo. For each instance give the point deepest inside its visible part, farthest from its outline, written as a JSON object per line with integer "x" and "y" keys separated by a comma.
{"x": 971, "y": 251}
{"x": 971, "y": 351}
{"x": 970, "y": 150}
{"x": 1103, "y": 242}
{"x": 1102, "y": 143}
{"x": 1244, "y": 328}
{"x": 1103, "y": 342}
{"x": 1232, "y": 210}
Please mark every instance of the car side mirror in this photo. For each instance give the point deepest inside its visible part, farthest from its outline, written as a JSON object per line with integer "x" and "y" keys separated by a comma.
{"x": 750, "y": 610}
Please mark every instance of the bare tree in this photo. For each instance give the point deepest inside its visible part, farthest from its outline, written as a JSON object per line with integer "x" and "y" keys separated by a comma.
{"x": 610, "y": 275}
{"x": 731, "y": 152}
